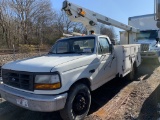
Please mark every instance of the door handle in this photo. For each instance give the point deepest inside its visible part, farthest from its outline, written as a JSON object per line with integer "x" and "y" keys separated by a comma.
{"x": 92, "y": 71}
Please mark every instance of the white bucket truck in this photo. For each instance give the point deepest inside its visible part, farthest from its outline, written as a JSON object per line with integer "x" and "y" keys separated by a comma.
{"x": 63, "y": 79}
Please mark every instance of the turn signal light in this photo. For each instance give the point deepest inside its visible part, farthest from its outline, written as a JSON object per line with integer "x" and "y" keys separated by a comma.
{"x": 47, "y": 86}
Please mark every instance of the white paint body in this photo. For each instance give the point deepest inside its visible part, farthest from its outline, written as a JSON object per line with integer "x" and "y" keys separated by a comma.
{"x": 73, "y": 67}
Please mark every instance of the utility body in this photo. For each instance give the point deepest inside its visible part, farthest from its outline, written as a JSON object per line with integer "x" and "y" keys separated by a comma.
{"x": 63, "y": 78}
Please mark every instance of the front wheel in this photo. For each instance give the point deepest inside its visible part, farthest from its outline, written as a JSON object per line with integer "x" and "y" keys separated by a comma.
{"x": 77, "y": 104}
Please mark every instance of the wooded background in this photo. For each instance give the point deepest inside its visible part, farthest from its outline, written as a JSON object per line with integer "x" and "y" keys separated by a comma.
{"x": 35, "y": 23}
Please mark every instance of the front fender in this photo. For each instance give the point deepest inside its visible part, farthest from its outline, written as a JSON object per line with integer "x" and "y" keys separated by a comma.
{"x": 72, "y": 76}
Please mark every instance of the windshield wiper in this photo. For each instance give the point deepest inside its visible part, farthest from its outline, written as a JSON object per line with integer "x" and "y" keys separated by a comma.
{"x": 84, "y": 52}
{"x": 71, "y": 53}
{"x": 66, "y": 53}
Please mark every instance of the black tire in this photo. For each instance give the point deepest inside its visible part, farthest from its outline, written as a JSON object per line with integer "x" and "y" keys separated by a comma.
{"x": 132, "y": 74}
{"x": 77, "y": 104}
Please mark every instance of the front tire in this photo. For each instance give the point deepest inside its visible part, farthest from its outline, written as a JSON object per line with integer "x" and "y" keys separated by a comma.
{"x": 77, "y": 104}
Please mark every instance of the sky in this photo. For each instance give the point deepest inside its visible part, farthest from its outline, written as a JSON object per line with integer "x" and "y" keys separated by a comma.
{"x": 118, "y": 10}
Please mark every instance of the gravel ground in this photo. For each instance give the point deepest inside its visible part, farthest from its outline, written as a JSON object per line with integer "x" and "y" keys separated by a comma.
{"x": 116, "y": 100}
{"x": 139, "y": 100}
{"x": 143, "y": 100}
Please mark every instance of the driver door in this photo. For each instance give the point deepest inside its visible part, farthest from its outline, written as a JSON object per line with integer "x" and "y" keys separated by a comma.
{"x": 107, "y": 67}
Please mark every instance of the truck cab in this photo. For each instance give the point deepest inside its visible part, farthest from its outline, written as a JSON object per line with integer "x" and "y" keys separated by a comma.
{"x": 149, "y": 40}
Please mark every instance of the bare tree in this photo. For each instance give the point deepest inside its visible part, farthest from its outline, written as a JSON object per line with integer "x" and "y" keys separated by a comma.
{"x": 5, "y": 23}
{"x": 30, "y": 13}
{"x": 33, "y": 22}
{"x": 109, "y": 31}
{"x": 64, "y": 25}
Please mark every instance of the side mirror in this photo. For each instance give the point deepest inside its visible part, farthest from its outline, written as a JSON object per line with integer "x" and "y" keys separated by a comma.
{"x": 157, "y": 39}
{"x": 111, "y": 48}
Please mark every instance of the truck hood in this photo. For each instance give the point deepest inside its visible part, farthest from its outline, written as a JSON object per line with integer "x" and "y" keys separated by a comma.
{"x": 41, "y": 64}
{"x": 146, "y": 41}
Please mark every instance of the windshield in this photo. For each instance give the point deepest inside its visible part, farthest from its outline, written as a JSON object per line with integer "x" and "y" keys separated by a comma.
{"x": 74, "y": 45}
{"x": 149, "y": 34}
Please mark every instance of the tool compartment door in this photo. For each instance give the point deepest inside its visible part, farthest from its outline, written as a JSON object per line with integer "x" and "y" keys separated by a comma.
{"x": 126, "y": 56}
{"x": 127, "y": 65}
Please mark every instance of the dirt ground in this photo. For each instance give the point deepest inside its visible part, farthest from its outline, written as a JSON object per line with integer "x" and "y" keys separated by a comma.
{"x": 119, "y": 99}
{"x": 138, "y": 100}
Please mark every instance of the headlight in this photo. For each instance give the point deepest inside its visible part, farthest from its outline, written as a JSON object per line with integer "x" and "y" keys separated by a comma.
{"x": 47, "y": 82}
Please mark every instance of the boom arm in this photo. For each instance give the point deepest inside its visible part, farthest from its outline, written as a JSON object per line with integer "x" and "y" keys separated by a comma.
{"x": 90, "y": 18}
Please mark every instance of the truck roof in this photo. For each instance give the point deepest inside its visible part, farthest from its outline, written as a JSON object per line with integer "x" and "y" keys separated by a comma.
{"x": 140, "y": 16}
{"x": 143, "y": 22}
{"x": 95, "y": 35}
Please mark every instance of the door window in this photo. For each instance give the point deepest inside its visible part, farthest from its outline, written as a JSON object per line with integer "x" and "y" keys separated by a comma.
{"x": 103, "y": 46}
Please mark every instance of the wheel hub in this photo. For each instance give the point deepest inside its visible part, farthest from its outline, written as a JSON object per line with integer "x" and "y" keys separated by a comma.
{"x": 80, "y": 104}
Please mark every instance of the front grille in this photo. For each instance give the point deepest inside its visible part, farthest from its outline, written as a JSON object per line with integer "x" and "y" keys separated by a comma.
{"x": 144, "y": 47}
{"x": 22, "y": 80}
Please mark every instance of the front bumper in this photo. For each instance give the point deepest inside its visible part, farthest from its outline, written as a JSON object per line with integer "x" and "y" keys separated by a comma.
{"x": 148, "y": 54}
{"x": 34, "y": 102}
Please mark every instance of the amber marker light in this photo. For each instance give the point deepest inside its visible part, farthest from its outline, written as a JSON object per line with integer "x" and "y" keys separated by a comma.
{"x": 81, "y": 12}
{"x": 47, "y": 86}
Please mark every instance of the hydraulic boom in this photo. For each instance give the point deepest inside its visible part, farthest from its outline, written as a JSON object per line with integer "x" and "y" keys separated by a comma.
{"x": 90, "y": 19}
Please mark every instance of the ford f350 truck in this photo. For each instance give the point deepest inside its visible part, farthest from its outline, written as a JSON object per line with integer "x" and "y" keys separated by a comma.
{"x": 63, "y": 79}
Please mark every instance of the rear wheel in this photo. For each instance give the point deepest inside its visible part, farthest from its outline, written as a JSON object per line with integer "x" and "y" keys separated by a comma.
{"x": 156, "y": 60}
{"x": 131, "y": 76}
{"x": 77, "y": 104}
